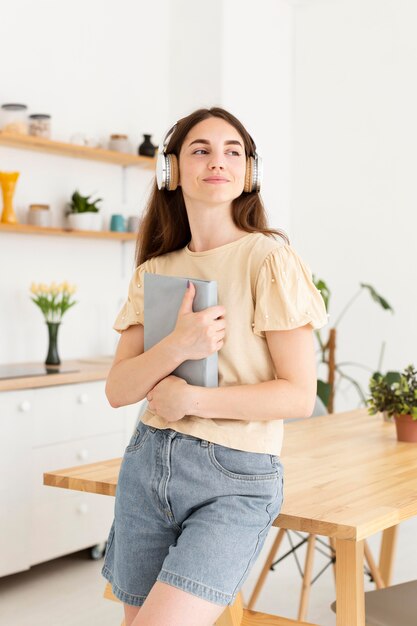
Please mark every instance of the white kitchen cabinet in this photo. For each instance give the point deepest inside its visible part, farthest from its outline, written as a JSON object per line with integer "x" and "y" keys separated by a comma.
{"x": 50, "y": 428}
{"x": 64, "y": 521}
{"x": 16, "y": 413}
{"x": 68, "y": 412}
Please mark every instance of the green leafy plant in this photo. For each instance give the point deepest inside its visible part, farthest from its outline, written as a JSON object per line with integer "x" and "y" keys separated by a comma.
{"x": 82, "y": 204}
{"x": 53, "y": 300}
{"x": 326, "y": 390}
{"x": 382, "y": 393}
{"x": 395, "y": 393}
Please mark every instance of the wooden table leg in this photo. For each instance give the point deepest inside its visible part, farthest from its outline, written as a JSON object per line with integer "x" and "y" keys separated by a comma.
{"x": 308, "y": 570}
{"x": 332, "y": 545}
{"x": 386, "y": 557}
{"x": 350, "y": 598}
{"x": 375, "y": 573}
{"x": 109, "y": 595}
{"x": 232, "y": 615}
{"x": 266, "y": 568}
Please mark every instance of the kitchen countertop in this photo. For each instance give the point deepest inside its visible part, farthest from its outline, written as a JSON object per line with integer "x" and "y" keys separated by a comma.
{"x": 89, "y": 369}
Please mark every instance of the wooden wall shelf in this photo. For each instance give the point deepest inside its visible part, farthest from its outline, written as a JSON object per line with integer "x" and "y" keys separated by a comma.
{"x": 40, "y": 144}
{"x": 28, "y": 229}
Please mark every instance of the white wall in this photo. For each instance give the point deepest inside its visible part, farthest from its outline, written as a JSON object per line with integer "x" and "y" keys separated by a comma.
{"x": 353, "y": 194}
{"x": 196, "y": 56}
{"x": 239, "y": 55}
{"x": 257, "y": 88}
{"x": 100, "y": 68}
{"x": 97, "y": 67}
{"x": 326, "y": 88}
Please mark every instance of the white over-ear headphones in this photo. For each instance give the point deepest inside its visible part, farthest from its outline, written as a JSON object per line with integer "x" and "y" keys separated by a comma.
{"x": 167, "y": 170}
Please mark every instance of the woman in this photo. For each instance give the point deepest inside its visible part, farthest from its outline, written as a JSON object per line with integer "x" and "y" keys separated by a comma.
{"x": 201, "y": 480}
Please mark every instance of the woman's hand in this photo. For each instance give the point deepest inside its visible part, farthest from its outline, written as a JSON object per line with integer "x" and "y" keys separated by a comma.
{"x": 170, "y": 398}
{"x": 197, "y": 335}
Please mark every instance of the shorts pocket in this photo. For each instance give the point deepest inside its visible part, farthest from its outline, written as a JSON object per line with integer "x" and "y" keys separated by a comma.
{"x": 138, "y": 438}
{"x": 243, "y": 465}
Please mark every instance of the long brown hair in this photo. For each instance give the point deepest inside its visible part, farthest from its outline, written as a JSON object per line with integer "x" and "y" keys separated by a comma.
{"x": 164, "y": 225}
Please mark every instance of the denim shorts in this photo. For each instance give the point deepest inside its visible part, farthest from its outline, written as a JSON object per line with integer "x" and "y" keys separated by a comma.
{"x": 190, "y": 513}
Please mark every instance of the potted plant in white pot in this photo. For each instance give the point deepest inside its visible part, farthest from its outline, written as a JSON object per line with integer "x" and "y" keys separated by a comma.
{"x": 395, "y": 394}
{"x": 83, "y": 214}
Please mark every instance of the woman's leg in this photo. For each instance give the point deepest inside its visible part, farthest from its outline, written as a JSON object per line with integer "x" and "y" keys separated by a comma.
{"x": 169, "y": 606}
{"x": 130, "y": 613}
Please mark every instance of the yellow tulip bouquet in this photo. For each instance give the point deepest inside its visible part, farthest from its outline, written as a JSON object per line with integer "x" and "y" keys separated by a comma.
{"x": 53, "y": 300}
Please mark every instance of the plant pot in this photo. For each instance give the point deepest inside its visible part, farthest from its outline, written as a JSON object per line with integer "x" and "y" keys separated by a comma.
{"x": 84, "y": 221}
{"x": 406, "y": 428}
{"x": 96, "y": 221}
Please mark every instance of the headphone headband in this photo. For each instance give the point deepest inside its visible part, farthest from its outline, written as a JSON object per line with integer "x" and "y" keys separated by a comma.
{"x": 165, "y": 139}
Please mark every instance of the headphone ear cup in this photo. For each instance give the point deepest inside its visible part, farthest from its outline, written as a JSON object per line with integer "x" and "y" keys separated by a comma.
{"x": 248, "y": 175}
{"x": 161, "y": 170}
{"x": 173, "y": 177}
{"x": 258, "y": 173}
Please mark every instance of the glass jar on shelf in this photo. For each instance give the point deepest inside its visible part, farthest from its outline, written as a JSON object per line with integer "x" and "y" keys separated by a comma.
{"x": 39, "y": 215}
{"x": 14, "y": 118}
{"x": 40, "y": 125}
{"x": 119, "y": 143}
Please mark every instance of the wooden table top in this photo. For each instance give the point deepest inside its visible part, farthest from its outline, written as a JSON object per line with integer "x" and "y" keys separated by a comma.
{"x": 346, "y": 476}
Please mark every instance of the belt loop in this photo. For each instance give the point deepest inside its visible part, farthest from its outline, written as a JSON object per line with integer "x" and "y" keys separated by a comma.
{"x": 204, "y": 443}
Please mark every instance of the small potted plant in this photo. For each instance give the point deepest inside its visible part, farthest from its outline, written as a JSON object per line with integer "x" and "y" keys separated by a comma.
{"x": 395, "y": 394}
{"x": 83, "y": 214}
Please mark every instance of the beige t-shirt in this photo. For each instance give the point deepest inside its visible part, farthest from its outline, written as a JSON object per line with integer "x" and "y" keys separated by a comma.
{"x": 264, "y": 285}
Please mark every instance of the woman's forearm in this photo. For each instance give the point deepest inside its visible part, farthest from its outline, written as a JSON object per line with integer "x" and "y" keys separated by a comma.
{"x": 130, "y": 380}
{"x": 271, "y": 400}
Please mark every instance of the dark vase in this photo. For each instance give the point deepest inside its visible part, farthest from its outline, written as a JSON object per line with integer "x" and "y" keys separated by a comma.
{"x": 147, "y": 148}
{"x": 53, "y": 356}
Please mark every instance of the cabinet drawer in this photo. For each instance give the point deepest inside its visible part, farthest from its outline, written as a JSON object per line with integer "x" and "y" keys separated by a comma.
{"x": 67, "y": 412}
{"x": 70, "y": 454}
{"x": 63, "y": 520}
{"x": 81, "y": 520}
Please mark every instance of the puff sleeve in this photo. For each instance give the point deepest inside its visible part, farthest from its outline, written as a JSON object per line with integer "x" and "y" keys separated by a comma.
{"x": 132, "y": 310}
{"x": 285, "y": 294}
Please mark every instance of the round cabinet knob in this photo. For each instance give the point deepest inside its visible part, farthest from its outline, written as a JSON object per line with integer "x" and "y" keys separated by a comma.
{"x": 83, "y": 454}
{"x": 82, "y": 508}
{"x": 25, "y": 406}
{"x": 83, "y": 398}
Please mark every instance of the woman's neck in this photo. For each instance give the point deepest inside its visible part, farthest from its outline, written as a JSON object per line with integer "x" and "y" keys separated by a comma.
{"x": 200, "y": 241}
{"x": 211, "y": 225}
